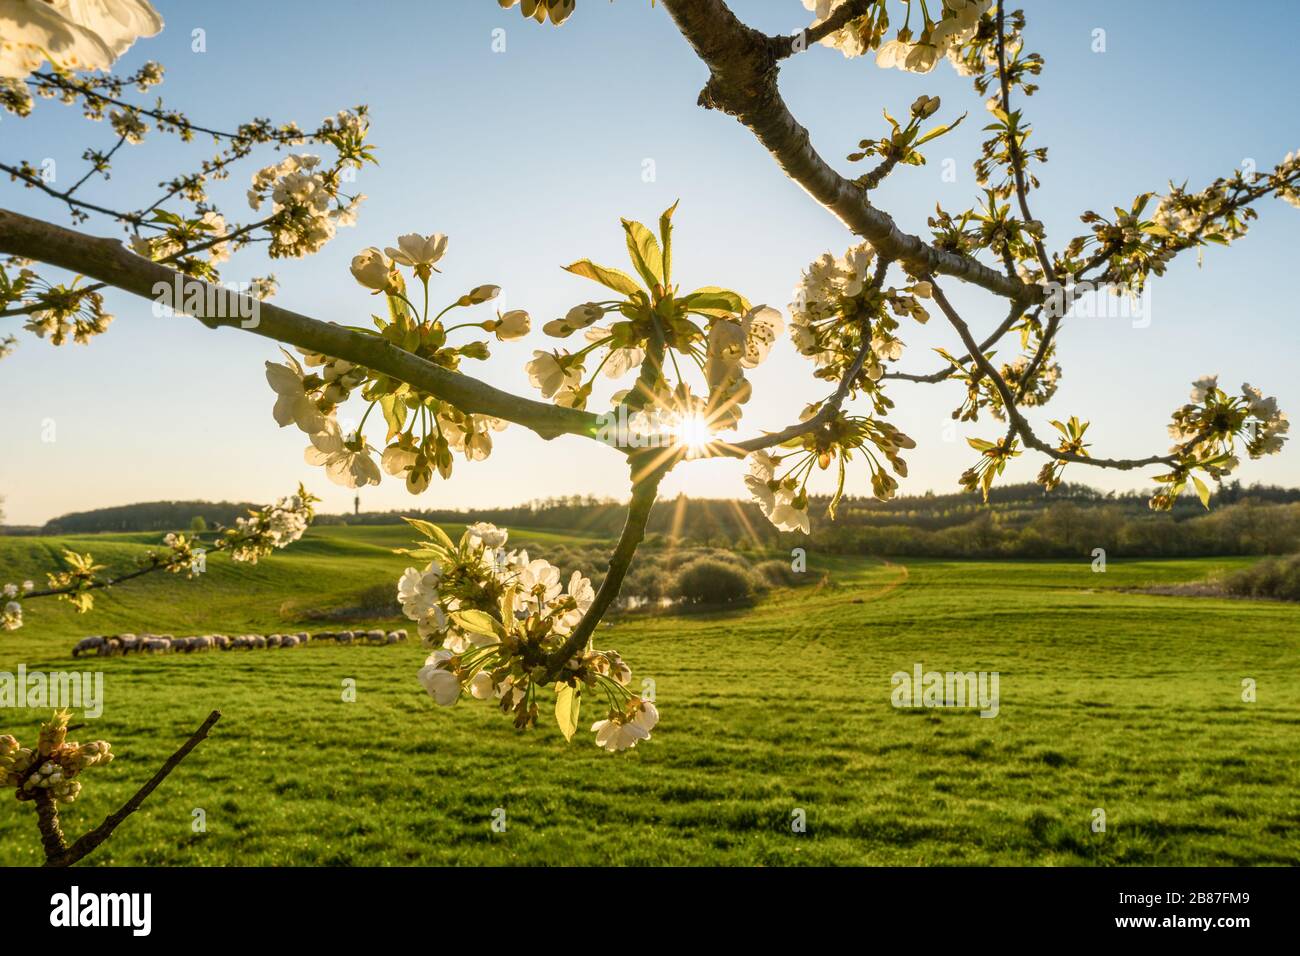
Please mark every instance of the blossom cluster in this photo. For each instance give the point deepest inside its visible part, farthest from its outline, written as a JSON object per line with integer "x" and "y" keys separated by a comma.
{"x": 840, "y": 305}
{"x": 496, "y": 620}
{"x": 782, "y": 495}
{"x": 63, "y": 311}
{"x": 11, "y": 613}
{"x": 308, "y": 394}
{"x": 265, "y": 530}
{"x": 648, "y": 325}
{"x": 307, "y": 204}
{"x": 1136, "y": 244}
{"x": 914, "y": 50}
{"x": 1206, "y": 431}
{"x": 53, "y": 765}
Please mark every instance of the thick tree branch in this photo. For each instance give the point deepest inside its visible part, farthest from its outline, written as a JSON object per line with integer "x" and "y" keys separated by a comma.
{"x": 108, "y": 261}
{"x": 743, "y": 82}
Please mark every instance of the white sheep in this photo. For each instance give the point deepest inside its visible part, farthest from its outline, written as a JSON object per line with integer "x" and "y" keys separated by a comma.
{"x": 88, "y": 644}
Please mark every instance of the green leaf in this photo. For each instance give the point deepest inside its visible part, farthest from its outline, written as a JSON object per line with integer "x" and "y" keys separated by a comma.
{"x": 839, "y": 492}
{"x": 643, "y": 247}
{"x": 940, "y": 130}
{"x": 713, "y": 301}
{"x": 422, "y": 554}
{"x": 394, "y": 410}
{"x": 666, "y": 237}
{"x": 400, "y": 313}
{"x": 478, "y": 622}
{"x": 1202, "y": 492}
{"x": 431, "y": 530}
{"x": 568, "y": 701}
{"x": 610, "y": 278}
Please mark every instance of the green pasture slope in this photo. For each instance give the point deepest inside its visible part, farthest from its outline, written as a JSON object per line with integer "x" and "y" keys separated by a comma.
{"x": 1115, "y": 700}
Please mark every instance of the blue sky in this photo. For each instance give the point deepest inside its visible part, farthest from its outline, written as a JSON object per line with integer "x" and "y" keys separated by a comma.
{"x": 527, "y": 158}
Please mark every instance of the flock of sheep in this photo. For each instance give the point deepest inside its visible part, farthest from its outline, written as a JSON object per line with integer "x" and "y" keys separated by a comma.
{"x": 164, "y": 643}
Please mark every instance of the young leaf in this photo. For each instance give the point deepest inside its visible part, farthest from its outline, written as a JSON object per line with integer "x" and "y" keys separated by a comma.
{"x": 1202, "y": 491}
{"x": 839, "y": 492}
{"x": 713, "y": 301}
{"x": 568, "y": 701}
{"x": 478, "y": 622}
{"x": 431, "y": 530}
{"x": 666, "y": 237}
{"x": 643, "y": 247}
{"x": 939, "y": 131}
{"x": 610, "y": 278}
{"x": 394, "y": 410}
{"x": 400, "y": 313}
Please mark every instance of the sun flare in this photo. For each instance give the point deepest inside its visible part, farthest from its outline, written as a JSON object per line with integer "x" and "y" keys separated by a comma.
{"x": 693, "y": 433}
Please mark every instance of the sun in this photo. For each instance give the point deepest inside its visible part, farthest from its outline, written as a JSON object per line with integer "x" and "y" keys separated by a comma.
{"x": 693, "y": 433}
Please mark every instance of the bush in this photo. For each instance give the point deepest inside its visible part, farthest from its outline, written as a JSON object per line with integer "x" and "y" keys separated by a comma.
{"x": 1271, "y": 578}
{"x": 649, "y": 583}
{"x": 779, "y": 574}
{"x": 712, "y": 581}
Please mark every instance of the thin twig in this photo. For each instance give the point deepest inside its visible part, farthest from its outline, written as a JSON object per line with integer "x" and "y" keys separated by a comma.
{"x": 95, "y": 837}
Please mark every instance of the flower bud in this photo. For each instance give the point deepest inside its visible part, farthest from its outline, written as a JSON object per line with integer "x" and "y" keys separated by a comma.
{"x": 372, "y": 269}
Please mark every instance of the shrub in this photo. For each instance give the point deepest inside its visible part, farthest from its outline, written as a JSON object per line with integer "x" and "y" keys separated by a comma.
{"x": 1271, "y": 578}
{"x": 649, "y": 583}
{"x": 779, "y": 574}
{"x": 712, "y": 581}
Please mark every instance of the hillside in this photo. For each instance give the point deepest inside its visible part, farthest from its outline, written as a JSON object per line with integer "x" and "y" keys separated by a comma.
{"x": 1019, "y": 521}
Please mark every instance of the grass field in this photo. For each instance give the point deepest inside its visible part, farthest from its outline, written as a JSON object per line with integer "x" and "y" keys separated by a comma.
{"x": 1109, "y": 699}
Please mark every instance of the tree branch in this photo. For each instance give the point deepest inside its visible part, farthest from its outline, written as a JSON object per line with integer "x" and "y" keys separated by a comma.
{"x": 1015, "y": 154}
{"x": 945, "y": 373}
{"x": 743, "y": 82}
{"x": 107, "y": 260}
{"x": 1019, "y": 424}
{"x": 783, "y": 47}
{"x": 645, "y": 488}
{"x": 95, "y": 837}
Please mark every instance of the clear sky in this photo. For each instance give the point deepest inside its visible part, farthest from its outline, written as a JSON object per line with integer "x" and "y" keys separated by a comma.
{"x": 527, "y": 158}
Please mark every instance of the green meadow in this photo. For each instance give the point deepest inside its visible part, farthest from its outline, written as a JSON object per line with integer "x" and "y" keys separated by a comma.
{"x": 1111, "y": 699}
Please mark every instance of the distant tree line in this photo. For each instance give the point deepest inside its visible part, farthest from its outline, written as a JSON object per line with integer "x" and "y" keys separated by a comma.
{"x": 151, "y": 516}
{"x": 1020, "y": 521}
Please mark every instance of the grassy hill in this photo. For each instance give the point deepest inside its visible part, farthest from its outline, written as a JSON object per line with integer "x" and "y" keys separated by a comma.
{"x": 1110, "y": 699}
